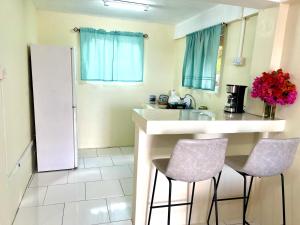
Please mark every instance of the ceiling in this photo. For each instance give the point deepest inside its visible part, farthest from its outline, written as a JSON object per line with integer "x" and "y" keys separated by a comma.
{"x": 162, "y": 11}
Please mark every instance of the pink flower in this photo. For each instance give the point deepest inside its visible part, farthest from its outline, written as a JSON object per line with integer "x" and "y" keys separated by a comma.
{"x": 274, "y": 88}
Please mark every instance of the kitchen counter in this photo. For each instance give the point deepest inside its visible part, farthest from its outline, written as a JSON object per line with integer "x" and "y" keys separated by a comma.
{"x": 166, "y": 121}
{"x": 156, "y": 133}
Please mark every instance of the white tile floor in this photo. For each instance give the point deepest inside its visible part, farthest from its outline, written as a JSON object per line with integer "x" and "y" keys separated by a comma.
{"x": 98, "y": 192}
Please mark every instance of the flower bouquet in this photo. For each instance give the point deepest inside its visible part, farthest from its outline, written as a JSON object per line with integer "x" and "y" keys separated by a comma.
{"x": 274, "y": 88}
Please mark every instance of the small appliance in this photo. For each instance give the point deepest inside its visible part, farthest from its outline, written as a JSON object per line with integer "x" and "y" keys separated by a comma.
{"x": 235, "y": 99}
{"x": 163, "y": 101}
{"x": 152, "y": 99}
{"x": 176, "y": 102}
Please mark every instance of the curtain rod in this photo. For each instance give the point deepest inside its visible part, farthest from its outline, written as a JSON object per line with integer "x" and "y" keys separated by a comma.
{"x": 76, "y": 29}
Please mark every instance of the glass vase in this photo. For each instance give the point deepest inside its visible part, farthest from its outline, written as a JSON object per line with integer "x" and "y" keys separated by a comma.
{"x": 269, "y": 111}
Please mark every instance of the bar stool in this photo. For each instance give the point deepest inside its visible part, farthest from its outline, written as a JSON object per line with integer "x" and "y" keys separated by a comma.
{"x": 270, "y": 157}
{"x": 191, "y": 161}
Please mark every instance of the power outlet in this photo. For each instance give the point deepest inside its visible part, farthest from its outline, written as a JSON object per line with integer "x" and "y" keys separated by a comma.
{"x": 239, "y": 61}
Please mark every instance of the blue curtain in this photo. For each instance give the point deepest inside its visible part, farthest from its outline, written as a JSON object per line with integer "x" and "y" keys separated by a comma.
{"x": 200, "y": 61}
{"x": 111, "y": 56}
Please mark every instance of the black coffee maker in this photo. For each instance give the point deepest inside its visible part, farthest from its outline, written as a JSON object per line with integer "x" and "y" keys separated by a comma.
{"x": 235, "y": 101}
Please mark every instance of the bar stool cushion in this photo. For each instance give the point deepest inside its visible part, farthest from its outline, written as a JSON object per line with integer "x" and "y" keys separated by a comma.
{"x": 270, "y": 157}
{"x": 161, "y": 164}
{"x": 197, "y": 160}
{"x": 236, "y": 162}
{"x": 194, "y": 160}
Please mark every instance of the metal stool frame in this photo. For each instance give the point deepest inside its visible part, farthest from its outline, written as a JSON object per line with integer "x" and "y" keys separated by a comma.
{"x": 170, "y": 205}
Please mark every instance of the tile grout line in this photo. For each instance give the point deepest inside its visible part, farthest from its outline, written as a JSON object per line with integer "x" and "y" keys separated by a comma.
{"x": 131, "y": 171}
{"x": 108, "y": 212}
{"x": 75, "y": 201}
{"x": 68, "y": 177}
{"x": 100, "y": 173}
{"x": 85, "y": 183}
{"x": 63, "y": 215}
{"x": 95, "y": 181}
{"x": 45, "y": 195}
{"x": 98, "y": 166}
{"x": 83, "y": 159}
{"x": 112, "y": 160}
{"x": 27, "y": 186}
{"x": 121, "y": 187}
{"x": 54, "y": 185}
{"x": 40, "y": 206}
{"x": 83, "y": 163}
{"x": 85, "y": 191}
{"x": 97, "y": 154}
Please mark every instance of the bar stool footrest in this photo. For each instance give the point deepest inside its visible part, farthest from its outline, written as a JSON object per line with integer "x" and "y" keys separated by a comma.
{"x": 178, "y": 204}
{"x": 230, "y": 199}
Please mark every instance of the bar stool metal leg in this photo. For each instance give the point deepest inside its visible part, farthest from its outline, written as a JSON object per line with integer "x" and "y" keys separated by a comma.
{"x": 249, "y": 192}
{"x": 244, "y": 199}
{"x": 152, "y": 198}
{"x": 248, "y": 197}
{"x": 169, "y": 203}
{"x": 283, "y": 198}
{"x": 192, "y": 201}
{"x": 216, "y": 200}
{"x": 212, "y": 202}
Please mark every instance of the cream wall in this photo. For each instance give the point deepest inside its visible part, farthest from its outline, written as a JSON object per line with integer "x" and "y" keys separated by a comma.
{"x": 262, "y": 52}
{"x": 269, "y": 210}
{"x": 18, "y": 29}
{"x": 104, "y": 110}
{"x": 290, "y": 63}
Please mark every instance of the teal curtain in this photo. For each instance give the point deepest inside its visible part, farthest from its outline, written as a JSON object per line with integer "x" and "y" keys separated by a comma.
{"x": 111, "y": 56}
{"x": 200, "y": 61}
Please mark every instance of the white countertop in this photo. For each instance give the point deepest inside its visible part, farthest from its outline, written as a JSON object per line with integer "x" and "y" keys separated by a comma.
{"x": 166, "y": 121}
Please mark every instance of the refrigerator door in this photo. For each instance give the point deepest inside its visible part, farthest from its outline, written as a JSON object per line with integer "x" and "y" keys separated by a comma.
{"x": 75, "y": 138}
{"x": 53, "y": 107}
{"x": 74, "y": 107}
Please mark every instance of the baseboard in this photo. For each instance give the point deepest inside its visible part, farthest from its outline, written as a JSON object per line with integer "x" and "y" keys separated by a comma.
{"x": 15, "y": 185}
{"x": 28, "y": 152}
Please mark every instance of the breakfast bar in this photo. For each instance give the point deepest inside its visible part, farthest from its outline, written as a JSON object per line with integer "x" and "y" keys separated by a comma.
{"x": 158, "y": 130}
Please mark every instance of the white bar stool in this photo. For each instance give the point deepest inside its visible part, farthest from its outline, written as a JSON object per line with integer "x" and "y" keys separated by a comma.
{"x": 191, "y": 161}
{"x": 270, "y": 157}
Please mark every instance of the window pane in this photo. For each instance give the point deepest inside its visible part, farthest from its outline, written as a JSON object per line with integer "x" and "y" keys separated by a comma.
{"x": 128, "y": 58}
{"x": 199, "y": 69}
{"x": 111, "y": 56}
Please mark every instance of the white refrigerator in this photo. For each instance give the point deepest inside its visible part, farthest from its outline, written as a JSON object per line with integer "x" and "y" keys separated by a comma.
{"x": 53, "y": 82}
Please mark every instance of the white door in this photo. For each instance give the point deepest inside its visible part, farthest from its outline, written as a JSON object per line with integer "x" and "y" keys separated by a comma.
{"x": 52, "y": 90}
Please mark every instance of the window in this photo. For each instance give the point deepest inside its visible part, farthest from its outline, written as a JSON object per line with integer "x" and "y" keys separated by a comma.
{"x": 201, "y": 59}
{"x": 111, "y": 56}
{"x": 220, "y": 60}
